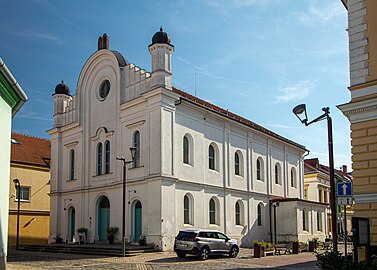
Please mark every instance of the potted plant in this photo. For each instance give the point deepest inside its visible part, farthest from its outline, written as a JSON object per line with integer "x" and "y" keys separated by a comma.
{"x": 142, "y": 240}
{"x": 111, "y": 232}
{"x": 312, "y": 244}
{"x": 257, "y": 249}
{"x": 58, "y": 239}
{"x": 295, "y": 247}
{"x": 82, "y": 232}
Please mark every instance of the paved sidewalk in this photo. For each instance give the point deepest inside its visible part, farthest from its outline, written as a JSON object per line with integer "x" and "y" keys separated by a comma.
{"x": 156, "y": 260}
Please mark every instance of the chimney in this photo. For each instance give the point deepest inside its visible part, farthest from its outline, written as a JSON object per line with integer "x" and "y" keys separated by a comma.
{"x": 103, "y": 42}
{"x": 344, "y": 169}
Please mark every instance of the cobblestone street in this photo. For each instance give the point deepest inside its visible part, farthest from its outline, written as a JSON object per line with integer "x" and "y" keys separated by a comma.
{"x": 157, "y": 260}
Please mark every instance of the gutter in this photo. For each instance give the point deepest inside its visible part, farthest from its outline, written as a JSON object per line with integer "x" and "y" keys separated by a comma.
{"x": 16, "y": 87}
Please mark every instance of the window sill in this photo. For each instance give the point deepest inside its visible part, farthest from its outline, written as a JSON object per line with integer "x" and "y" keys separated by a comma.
{"x": 188, "y": 165}
{"x": 212, "y": 170}
{"x": 188, "y": 225}
{"x": 260, "y": 180}
{"x": 22, "y": 201}
{"x": 214, "y": 225}
{"x": 71, "y": 180}
{"x": 239, "y": 176}
{"x": 102, "y": 175}
{"x": 133, "y": 168}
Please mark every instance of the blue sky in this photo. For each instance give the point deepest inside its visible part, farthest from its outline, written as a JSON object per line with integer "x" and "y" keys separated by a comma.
{"x": 257, "y": 58}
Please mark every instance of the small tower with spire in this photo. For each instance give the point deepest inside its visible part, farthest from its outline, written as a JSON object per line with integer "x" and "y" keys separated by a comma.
{"x": 161, "y": 51}
{"x": 61, "y": 99}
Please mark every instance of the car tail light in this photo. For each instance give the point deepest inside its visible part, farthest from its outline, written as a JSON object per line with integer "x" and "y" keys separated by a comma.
{"x": 194, "y": 239}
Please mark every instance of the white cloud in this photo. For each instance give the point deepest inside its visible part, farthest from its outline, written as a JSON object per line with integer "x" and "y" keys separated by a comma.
{"x": 296, "y": 91}
{"x": 236, "y": 3}
{"x": 324, "y": 13}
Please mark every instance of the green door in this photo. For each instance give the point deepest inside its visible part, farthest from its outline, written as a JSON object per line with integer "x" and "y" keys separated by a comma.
{"x": 138, "y": 221}
{"x": 103, "y": 218}
{"x": 71, "y": 218}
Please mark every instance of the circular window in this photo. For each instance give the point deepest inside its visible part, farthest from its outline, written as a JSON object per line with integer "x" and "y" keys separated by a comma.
{"x": 104, "y": 89}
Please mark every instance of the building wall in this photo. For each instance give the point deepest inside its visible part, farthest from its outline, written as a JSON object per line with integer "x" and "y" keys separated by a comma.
{"x": 362, "y": 109}
{"x": 5, "y": 136}
{"x": 34, "y": 215}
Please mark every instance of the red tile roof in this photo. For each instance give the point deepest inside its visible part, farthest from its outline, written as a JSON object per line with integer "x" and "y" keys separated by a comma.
{"x": 313, "y": 166}
{"x": 211, "y": 107}
{"x": 30, "y": 150}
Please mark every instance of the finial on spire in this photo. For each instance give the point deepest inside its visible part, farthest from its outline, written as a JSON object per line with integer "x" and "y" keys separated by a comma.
{"x": 62, "y": 81}
{"x": 161, "y": 30}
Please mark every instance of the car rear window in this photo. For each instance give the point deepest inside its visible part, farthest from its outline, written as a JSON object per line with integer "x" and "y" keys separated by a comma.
{"x": 186, "y": 235}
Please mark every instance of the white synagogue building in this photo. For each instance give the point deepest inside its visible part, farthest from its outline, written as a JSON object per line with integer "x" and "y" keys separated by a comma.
{"x": 196, "y": 165}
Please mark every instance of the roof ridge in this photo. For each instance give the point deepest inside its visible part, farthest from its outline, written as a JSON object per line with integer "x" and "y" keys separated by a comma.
{"x": 30, "y": 136}
{"x": 234, "y": 116}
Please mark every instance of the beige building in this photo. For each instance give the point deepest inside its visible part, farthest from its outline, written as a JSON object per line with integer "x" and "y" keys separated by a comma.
{"x": 30, "y": 164}
{"x": 317, "y": 189}
{"x": 362, "y": 109}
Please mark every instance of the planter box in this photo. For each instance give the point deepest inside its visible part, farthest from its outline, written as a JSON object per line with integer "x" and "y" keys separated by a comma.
{"x": 295, "y": 248}
{"x": 258, "y": 251}
{"x": 312, "y": 246}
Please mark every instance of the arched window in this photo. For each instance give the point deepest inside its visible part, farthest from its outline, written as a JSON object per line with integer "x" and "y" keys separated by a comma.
{"x": 136, "y": 143}
{"x": 237, "y": 169}
{"x": 212, "y": 157}
{"x": 319, "y": 221}
{"x": 107, "y": 157}
{"x": 99, "y": 158}
{"x": 238, "y": 213}
{"x": 187, "y": 210}
{"x": 72, "y": 164}
{"x": 186, "y": 150}
{"x": 277, "y": 174}
{"x": 260, "y": 172}
{"x": 293, "y": 177}
{"x": 259, "y": 214}
{"x": 212, "y": 212}
{"x": 305, "y": 220}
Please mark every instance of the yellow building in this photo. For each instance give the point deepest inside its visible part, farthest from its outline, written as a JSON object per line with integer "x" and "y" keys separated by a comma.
{"x": 30, "y": 164}
{"x": 317, "y": 189}
{"x": 362, "y": 109}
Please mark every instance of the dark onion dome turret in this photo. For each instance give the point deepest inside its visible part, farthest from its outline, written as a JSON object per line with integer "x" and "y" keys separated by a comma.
{"x": 161, "y": 37}
{"x": 62, "y": 88}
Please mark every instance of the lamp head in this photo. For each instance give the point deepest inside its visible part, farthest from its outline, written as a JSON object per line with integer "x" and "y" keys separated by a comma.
{"x": 16, "y": 182}
{"x": 120, "y": 158}
{"x": 299, "y": 110}
{"x": 133, "y": 152}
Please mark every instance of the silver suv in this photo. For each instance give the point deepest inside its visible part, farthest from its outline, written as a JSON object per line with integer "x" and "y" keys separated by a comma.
{"x": 203, "y": 242}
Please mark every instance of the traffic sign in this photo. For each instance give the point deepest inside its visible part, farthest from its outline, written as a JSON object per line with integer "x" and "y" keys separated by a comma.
{"x": 344, "y": 189}
{"x": 345, "y": 201}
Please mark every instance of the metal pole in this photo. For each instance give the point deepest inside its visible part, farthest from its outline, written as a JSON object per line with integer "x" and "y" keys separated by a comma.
{"x": 332, "y": 182}
{"x": 18, "y": 215}
{"x": 124, "y": 210}
{"x": 270, "y": 206}
{"x": 275, "y": 223}
{"x": 345, "y": 231}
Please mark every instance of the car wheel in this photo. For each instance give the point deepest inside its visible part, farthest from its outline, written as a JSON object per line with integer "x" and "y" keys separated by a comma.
{"x": 233, "y": 252}
{"x": 204, "y": 253}
{"x": 181, "y": 255}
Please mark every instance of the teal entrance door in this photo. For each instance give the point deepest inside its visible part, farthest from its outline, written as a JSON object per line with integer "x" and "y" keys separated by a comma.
{"x": 103, "y": 218}
{"x": 71, "y": 222}
{"x": 137, "y": 221}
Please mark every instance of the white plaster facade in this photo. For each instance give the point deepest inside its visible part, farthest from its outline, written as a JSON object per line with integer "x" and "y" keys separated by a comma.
{"x": 147, "y": 103}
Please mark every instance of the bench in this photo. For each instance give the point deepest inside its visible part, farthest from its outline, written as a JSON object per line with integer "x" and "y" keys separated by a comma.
{"x": 303, "y": 247}
{"x": 286, "y": 248}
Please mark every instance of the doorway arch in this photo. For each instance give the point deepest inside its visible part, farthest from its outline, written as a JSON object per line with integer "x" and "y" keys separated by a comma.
{"x": 103, "y": 210}
{"x": 71, "y": 223}
{"x": 137, "y": 220}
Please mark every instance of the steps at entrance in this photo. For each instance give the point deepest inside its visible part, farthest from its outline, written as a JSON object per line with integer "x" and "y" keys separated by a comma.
{"x": 89, "y": 249}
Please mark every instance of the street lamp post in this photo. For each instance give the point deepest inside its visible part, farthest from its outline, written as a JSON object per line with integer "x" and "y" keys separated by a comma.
{"x": 273, "y": 205}
{"x": 133, "y": 151}
{"x": 18, "y": 190}
{"x": 299, "y": 110}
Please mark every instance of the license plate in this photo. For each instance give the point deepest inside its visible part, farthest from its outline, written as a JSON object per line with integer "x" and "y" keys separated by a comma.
{"x": 182, "y": 245}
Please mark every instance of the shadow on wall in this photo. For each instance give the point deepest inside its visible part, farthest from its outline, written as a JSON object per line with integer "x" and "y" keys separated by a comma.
{"x": 256, "y": 231}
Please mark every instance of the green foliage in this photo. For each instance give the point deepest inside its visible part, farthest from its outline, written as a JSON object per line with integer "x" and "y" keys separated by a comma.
{"x": 334, "y": 261}
{"x": 112, "y": 231}
{"x": 82, "y": 230}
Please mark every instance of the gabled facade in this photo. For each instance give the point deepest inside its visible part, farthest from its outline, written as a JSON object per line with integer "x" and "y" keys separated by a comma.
{"x": 12, "y": 97}
{"x": 30, "y": 164}
{"x": 361, "y": 110}
{"x": 197, "y": 165}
